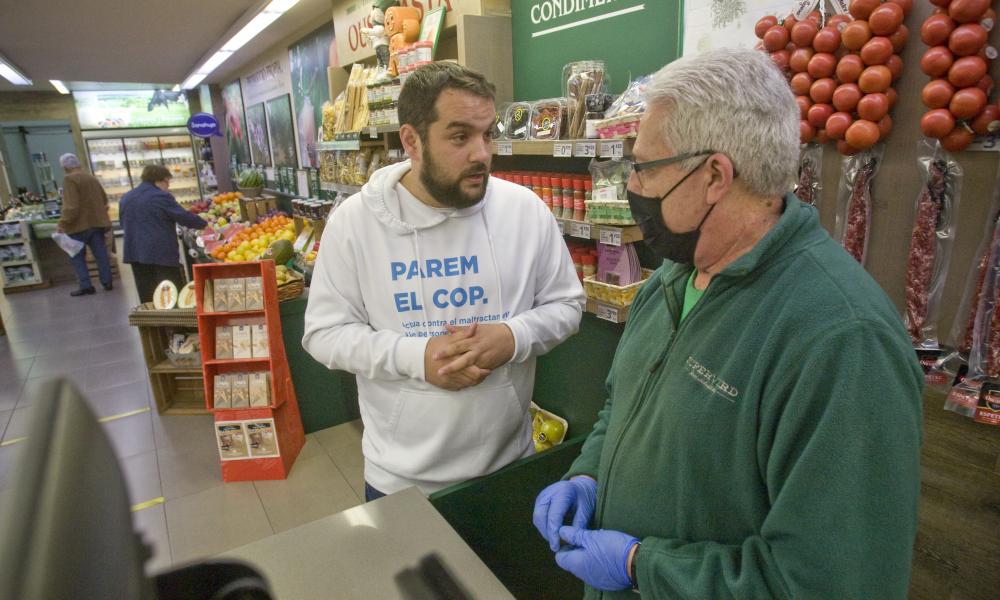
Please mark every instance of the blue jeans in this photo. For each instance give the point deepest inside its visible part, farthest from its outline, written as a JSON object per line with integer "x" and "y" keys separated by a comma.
{"x": 371, "y": 493}
{"x": 94, "y": 238}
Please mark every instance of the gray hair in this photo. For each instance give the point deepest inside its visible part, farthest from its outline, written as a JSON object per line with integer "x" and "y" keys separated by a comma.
{"x": 69, "y": 161}
{"x": 735, "y": 102}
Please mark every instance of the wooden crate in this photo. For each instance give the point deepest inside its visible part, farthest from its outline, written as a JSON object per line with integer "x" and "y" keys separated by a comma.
{"x": 176, "y": 390}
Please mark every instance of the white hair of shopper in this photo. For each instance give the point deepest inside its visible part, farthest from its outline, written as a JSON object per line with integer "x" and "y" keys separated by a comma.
{"x": 69, "y": 161}
{"x": 735, "y": 102}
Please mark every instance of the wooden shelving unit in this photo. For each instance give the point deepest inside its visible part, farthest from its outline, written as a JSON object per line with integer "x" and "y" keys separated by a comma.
{"x": 18, "y": 236}
{"x": 176, "y": 390}
{"x": 281, "y": 418}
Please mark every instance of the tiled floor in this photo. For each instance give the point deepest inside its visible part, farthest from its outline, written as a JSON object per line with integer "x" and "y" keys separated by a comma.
{"x": 89, "y": 341}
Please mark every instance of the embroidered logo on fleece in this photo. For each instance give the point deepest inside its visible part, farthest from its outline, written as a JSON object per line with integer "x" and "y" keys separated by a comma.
{"x": 710, "y": 380}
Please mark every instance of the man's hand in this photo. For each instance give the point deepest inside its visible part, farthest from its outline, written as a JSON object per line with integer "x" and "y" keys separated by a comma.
{"x": 487, "y": 347}
{"x": 578, "y": 495}
{"x": 600, "y": 558}
{"x": 453, "y": 380}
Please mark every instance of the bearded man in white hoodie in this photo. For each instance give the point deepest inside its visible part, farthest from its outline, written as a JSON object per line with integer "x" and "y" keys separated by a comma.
{"x": 437, "y": 286}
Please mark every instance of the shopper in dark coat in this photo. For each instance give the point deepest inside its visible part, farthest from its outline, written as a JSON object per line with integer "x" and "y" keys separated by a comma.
{"x": 85, "y": 219}
{"x": 148, "y": 214}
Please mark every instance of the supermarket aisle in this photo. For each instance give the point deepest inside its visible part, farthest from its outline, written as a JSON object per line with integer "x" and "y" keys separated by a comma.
{"x": 170, "y": 462}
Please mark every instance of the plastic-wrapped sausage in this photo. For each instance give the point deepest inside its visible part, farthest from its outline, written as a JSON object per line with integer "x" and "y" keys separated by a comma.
{"x": 810, "y": 186}
{"x": 854, "y": 202}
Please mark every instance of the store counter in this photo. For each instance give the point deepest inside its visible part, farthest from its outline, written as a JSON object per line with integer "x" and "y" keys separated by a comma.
{"x": 357, "y": 553}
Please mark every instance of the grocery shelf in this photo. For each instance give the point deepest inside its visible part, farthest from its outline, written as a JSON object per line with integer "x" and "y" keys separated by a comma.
{"x": 564, "y": 148}
{"x": 168, "y": 367}
{"x": 7, "y": 285}
{"x": 236, "y": 313}
{"x": 608, "y": 312}
{"x": 615, "y": 235}
{"x": 329, "y": 186}
{"x": 17, "y": 263}
{"x": 9, "y": 242}
{"x": 341, "y": 145}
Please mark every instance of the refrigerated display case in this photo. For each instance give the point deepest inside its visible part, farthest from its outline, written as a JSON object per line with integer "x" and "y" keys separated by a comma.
{"x": 117, "y": 161}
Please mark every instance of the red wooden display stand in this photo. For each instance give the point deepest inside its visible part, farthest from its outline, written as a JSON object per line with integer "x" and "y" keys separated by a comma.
{"x": 284, "y": 408}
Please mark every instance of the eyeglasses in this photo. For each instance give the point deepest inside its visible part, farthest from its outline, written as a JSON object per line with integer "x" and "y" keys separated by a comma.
{"x": 639, "y": 167}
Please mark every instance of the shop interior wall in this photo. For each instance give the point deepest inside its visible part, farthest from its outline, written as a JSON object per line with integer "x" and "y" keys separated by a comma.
{"x": 39, "y": 106}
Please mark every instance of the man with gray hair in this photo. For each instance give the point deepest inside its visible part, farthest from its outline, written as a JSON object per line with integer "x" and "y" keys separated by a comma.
{"x": 744, "y": 450}
{"x": 85, "y": 219}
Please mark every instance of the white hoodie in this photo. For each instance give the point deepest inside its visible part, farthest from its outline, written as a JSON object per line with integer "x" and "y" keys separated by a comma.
{"x": 391, "y": 272}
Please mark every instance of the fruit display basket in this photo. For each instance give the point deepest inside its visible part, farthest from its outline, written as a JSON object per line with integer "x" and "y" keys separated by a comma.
{"x": 291, "y": 290}
{"x": 251, "y": 192}
{"x": 616, "y": 295}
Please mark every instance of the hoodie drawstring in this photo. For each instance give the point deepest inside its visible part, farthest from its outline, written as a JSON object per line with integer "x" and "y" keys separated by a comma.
{"x": 493, "y": 258}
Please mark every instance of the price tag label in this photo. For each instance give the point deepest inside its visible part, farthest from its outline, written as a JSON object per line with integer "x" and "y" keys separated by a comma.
{"x": 580, "y": 230}
{"x": 605, "y": 194}
{"x": 608, "y": 313}
{"x": 505, "y": 148}
{"x": 613, "y": 149}
{"x": 373, "y": 132}
{"x": 562, "y": 149}
{"x": 984, "y": 143}
{"x": 562, "y": 227}
{"x": 586, "y": 149}
{"x": 612, "y": 237}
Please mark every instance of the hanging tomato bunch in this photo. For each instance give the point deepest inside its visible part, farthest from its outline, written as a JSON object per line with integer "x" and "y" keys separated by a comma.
{"x": 842, "y": 71}
{"x": 957, "y": 62}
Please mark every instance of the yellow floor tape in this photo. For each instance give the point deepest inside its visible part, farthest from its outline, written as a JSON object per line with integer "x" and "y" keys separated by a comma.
{"x": 148, "y": 504}
{"x": 108, "y": 419}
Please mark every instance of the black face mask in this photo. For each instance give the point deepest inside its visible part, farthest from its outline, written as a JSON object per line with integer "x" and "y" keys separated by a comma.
{"x": 677, "y": 247}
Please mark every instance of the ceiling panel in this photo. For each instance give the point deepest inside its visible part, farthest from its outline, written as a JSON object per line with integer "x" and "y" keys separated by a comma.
{"x": 133, "y": 40}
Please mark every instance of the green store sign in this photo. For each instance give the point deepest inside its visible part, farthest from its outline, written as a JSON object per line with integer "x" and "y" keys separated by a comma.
{"x": 632, "y": 37}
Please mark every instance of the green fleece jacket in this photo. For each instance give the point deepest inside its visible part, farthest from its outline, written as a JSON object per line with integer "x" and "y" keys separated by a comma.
{"x": 768, "y": 446}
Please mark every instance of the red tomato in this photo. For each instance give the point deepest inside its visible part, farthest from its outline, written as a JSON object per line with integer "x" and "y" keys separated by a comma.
{"x": 906, "y": 5}
{"x": 856, "y": 35}
{"x": 937, "y": 93}
{"x": 821, "y": 91}
{"x": 872, "y": 107}
{"x": 891, "y": 93}
{"x": 806, "y": 132}
{"x": 846, "y": 96}
{"x": 799, "y": 60}
{"x": 877, "y": 51}
{"x": 763, "y": 24}
{"x": 988, "y": 121}
{"x": 937, "y": 123}
{"x": 789, "y": 22}
{"x": 958, "y": 140}
{"x": 967, "y": 11}
{"x": 776, "y": 38}
{"x": 827, "y": 40}
{"x": 967, "y": 71}
{"x": 822, "y": 64}
{"x": 967, "y": 39}
{"x": 936, "y": 61}
{"x": 838, "y": 21}
{"x": 822, "y": 137}
{"x": 875, "y": 79}
{"x": 895, "y": 64}
{"x": 781, "y": 58}
{"x": 846, "y": 149}
{"x": 818, "y": 114}
{"x": 800, "y": 84}
{"x": 862, "y": 134}
{"x": 849, "y": 68}
{"x": 837, "y": 124}
{"x": 884, "y": 127}
{"x": 985, "y": 84}
{"x": 899, "y": 38}
{"x": 935, "y": 30}
{"x": 967, "y": 103}
{"x": 805, "y": 103}
{"x": 804, "y": 32}
{"x": 885, "y": 19}
{"x": 940, "y": 3}
{"x": 861, "y": 9}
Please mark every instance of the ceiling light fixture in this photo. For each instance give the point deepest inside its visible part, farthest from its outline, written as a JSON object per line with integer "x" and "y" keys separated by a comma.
{"x": 12, "y": 74}
{"x": 259, "y": 23}
{"x": 60, "y": 86}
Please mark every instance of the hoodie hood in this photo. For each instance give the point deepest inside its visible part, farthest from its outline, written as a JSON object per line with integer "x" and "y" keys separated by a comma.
{"x": 379, "y": 196}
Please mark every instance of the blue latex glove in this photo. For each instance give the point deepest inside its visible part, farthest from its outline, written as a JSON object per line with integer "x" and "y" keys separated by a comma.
{"x": 555, "y": 502}
{"x": 598, "y": 557}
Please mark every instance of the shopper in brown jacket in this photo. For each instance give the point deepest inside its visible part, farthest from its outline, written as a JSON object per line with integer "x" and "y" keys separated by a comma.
{"x": 85, "y": 219}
